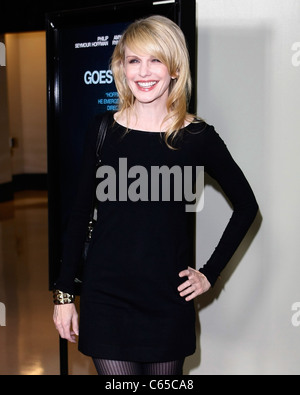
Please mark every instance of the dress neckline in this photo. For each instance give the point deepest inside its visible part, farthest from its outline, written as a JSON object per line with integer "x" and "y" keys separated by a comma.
{"x": 144, "y": 131}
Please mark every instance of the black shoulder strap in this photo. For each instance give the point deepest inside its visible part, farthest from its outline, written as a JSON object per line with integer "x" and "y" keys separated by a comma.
{"x": 104, "y": 124}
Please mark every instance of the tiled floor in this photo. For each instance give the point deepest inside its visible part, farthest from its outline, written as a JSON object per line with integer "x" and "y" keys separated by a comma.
{"x": 29, "y": 342}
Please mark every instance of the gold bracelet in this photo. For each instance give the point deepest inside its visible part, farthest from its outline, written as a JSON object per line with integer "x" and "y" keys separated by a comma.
{"x": 60, "y": 297}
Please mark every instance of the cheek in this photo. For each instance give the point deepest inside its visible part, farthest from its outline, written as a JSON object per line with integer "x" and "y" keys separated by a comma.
{"x": 165, "y": 76}
{"x": 167, "y": 81}
{"x": 128, "y": 72}
{"x": 130, "y": 83}
{"x": 128, "y": 77}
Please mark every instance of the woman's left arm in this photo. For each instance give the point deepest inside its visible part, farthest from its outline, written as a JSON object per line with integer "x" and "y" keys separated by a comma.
{"x": 220, "y": 165}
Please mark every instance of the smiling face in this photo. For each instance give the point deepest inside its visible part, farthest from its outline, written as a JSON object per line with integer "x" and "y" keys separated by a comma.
{"x": 147, "y": 77}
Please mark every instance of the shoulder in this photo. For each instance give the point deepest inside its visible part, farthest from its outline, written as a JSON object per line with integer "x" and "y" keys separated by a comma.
{"x": 106, "y": 119}
{"x": 104, "y": 116}
{"x": 93, "y": 127}
{"x": 202, "y": 138}
{"x": 199, "y": 129}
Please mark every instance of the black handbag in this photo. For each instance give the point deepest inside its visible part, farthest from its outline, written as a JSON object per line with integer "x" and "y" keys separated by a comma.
{"x": 93, "y": 213}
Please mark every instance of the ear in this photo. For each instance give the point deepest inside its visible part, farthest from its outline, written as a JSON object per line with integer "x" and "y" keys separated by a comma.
{"x": 174, "y": 77}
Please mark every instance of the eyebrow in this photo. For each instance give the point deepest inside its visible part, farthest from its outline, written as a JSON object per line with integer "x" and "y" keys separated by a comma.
{"x": 139, "y": 56}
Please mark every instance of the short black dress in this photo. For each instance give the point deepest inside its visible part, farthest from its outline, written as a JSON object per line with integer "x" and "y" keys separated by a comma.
{"x": 130, "y": 308}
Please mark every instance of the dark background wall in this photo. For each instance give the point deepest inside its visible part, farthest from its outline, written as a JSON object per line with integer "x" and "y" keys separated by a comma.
{"x": 25, "y": 17}
{"x": 30, "y": 15}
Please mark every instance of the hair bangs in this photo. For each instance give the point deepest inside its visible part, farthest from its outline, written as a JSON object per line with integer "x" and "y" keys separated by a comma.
{"x": 143, "y": 42}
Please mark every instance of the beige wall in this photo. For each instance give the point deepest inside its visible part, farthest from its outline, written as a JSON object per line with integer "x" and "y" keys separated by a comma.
{"x": 27, "y": 101}
{"x": 248, "y": 87}
{"x": 5, "y": 166}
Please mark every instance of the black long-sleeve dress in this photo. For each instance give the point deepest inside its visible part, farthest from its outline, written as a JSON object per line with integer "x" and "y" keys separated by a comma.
{"x": 130, "y": 308}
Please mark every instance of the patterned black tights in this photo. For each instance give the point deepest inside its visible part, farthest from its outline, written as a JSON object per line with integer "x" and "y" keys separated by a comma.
{"x": 108, "y": 367}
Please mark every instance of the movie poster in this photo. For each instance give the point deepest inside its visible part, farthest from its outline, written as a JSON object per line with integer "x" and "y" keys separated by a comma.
{"x": 86, "y": 88}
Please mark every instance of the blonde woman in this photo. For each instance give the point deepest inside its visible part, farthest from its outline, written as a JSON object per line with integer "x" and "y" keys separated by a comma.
{"x": 136, "y": 308}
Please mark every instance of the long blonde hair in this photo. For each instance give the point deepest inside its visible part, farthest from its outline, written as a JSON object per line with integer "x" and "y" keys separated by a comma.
{"x": 162, "y": 38}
